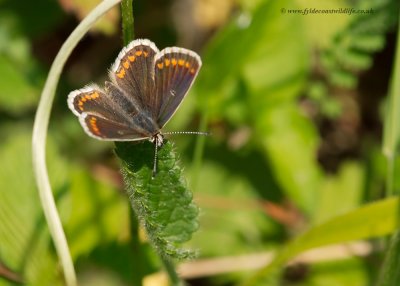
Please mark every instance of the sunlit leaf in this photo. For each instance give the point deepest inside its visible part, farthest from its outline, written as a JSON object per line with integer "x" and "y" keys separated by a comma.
{"x": 25, "y": 242}
{"x": 16, "y": 92}
{"x": 162, "y": 202}
{"x": 228, "y": 202}
{"x": 372, "y": 220}
{"x": 256, "y": 81}
{"x": 340, "y": 193}
{"x": 98, "y": 213}
{"x": 290, "y": 143}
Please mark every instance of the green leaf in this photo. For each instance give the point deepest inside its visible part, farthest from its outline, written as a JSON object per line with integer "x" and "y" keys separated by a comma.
{"x": 340, "y": 193}
{"x": 331, "y": 108}
{"x": 338, "y": 273}
{"x": 289, "y": 141}
{"x": 16, "y": 92}
{"x": 256, "y": 81}
{"x": 367, "y": 42}
{"x": 94, "y": 213}
{"x": 354, "y": 60}
{"x": 229, "y": 201}
{"x": 98, "y": 214}
{"x": 321, "y": 27}
{"x": 20, "y": 74}
{"x": 352, "y": 47}
{"x": 163, "y": 203}
{"x": 390, "y": 275}
{"x": 263, "y": 66}
{"x": 372, "y": 220}
{"x": 342, "y": 78}
{"x": 25, "y": 244}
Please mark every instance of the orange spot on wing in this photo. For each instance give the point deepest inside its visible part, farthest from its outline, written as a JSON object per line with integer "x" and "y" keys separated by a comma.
{"x": 145, "y": 54}
{"x": 181, "y": 63}
{"x": 187, "y": 65}
{"x": 138, "y": 53}
{"x": 173, "y": 61}
{"x": 160, "y": 65}
{"x": 93, "y": 124}
{"x": 83, "y": 99}
{"x": 192, "y": 71}
{"x": 126, "y": 64}
{"x": 131, "y": 58}
{"x": 167, "y": 62}
{"x": 121, "y": 74}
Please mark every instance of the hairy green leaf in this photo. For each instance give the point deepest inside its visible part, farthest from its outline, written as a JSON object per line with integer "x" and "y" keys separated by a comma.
{"x": 163, "y": 202}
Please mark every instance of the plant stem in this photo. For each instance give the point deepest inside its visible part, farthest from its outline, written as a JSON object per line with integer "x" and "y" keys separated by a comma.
{"x": 170, "y": 268}
{"x": 39, "y": 140}
{"x": 128, "y": 35}
{"x": 138, "y": 266}
{"x": 127, "y": 21}
{"x": 391, "y": 127}
{"x": 198, "y": 152}
{"x": 389, "y": 274}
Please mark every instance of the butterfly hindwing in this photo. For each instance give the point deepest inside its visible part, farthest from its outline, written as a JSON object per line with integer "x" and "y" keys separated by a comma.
{"x": 105, "y": 129}
{"x": 90, "y": 98}
{"x": 175, "y": 71}
{"x": 110, "y": 114}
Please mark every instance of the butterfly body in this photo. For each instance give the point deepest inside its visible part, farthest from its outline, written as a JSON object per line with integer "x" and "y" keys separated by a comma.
{"x": 145, "y": 89}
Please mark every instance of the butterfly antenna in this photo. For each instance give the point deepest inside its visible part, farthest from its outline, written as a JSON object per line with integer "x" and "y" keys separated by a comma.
{"x": 188, "y": 132}
{"x": 155, "y": 160}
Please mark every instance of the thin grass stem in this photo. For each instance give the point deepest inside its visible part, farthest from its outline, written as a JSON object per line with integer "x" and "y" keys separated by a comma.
{"x": 127, "y": 21}
{"x": 392, "y": 120}
{"x": 170, "y": 269}
{"x": 39, "y": 140}
{"x": 389, "y": 274}
{"x": 198, "y": 152}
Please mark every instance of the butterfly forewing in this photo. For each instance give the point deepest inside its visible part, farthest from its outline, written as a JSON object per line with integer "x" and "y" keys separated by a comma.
{"x": 175, "y": 71}
{"x": 133, "y": 72}
{"x": 109, "y": 114}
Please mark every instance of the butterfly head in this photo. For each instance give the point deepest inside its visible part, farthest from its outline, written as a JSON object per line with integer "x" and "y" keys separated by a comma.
{"x": 157, "y": 139}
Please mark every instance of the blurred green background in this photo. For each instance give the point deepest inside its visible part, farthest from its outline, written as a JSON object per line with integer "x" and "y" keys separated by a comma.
{"x": 294, "y": 103}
